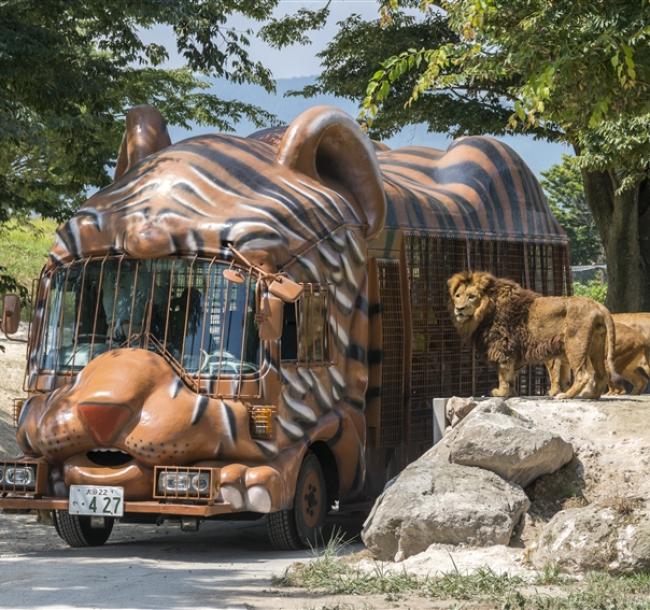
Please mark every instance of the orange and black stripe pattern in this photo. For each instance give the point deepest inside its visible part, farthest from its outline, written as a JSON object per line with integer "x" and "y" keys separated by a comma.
{"x": 479, "y": 187}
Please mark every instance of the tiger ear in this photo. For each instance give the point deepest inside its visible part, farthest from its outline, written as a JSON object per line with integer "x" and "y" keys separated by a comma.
{"x": 327, "y": 145}
{"x": 146, "y": 133}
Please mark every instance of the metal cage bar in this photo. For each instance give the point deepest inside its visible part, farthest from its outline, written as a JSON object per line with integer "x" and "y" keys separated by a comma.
{"x": 441, "y": 365}
{"x": 166, "y": 305}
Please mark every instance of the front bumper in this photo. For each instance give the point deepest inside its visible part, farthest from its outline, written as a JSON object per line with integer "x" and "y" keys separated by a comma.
{"x": 232, "y": 488}
{"x": 130, "y": 507}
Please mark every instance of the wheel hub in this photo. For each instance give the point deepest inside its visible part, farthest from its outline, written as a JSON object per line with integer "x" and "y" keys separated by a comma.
{"x": 311, "y": 500}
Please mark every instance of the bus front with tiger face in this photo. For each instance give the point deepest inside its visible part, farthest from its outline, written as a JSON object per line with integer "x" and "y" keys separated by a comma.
{"x": 170, "y": 372}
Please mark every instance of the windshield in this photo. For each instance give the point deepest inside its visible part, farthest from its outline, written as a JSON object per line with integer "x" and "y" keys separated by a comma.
{"x": 182, "y": 308}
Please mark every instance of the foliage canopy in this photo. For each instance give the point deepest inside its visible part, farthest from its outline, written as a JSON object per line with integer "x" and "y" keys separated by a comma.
{"x": 562, "y": 184}
{"x": 577, "y": 72}
{"x": 70, "y": 69}
{"x": 359, "y": 47}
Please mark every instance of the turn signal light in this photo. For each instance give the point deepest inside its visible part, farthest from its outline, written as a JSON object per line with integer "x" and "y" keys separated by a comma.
{"x": 261, "y": 422}
{"x": 18, "y": 407}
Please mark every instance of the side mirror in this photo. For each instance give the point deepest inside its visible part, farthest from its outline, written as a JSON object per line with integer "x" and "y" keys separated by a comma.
{"x": 234, "y": 276}
{"x": 10, "y": 313}
{"x": 285, "y": 289}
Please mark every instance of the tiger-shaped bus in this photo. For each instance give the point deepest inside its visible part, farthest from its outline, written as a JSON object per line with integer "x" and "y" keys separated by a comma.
{"x": 259, "y": 325}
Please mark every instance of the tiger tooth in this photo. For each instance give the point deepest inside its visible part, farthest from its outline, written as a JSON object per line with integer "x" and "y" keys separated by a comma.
{"x": 357, "y": 252}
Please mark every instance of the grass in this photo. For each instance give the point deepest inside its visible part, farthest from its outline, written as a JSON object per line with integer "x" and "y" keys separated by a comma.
{"x": 596, "y": 592}
{"x": 330, "y": 574}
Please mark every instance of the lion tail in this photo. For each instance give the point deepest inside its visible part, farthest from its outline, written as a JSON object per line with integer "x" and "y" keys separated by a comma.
{"x": 615, "y": 378}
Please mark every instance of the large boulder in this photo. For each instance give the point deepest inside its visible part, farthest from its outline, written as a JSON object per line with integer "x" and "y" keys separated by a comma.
{"x": 433, "y": 501}
{"x": 496, "y": 438}
{"x": 612, "y": 538}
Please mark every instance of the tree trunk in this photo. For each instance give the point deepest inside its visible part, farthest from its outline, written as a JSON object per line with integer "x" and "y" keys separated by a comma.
{"x": 623, "y": 221}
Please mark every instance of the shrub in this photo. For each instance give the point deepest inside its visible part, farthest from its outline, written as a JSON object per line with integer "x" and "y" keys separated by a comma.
{"x": 594, "y": 289}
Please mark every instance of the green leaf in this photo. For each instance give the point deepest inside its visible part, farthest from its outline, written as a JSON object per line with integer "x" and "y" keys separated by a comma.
{"x": 383, "y": 90}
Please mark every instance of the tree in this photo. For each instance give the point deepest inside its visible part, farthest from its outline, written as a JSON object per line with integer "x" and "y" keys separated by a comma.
{"x": 354, "y": 54}
{"x": 562, "y": 184}
{"x": 70, "y": 69}
{"x": 578, "y": 72}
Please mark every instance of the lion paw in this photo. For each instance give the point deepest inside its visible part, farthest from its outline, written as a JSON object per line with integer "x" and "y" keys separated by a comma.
{"x": 257, "y": 489}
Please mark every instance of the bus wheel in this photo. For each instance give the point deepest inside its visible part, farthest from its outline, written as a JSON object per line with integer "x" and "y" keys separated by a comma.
{"x": 77, "y": 531}
{"x": 301, "y": 526}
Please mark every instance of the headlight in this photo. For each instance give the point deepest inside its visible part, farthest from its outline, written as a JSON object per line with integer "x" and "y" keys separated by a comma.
{"x": 173, "y": 482}
{"x": 183, "y": 482}
{"x": 200, "y": 482}
{"x": 20, "y": 476}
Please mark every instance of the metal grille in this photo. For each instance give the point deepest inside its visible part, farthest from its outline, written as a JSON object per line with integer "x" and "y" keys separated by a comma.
{"x": 184, "y": 490}
{"x": 441, "y": 365}
{"x": 9, "y": 484}
{"x": 305, "y": 333}
{"x": 183, "y": 308}
{"x": 392, "y": 364}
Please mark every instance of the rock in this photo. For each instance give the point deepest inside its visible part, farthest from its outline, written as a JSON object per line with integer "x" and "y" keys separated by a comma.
{"x": 497, "y": 438}
{"x": 606, "y": 538}
{"x": 457, "y": 408}
{"x": 433, "y": 501}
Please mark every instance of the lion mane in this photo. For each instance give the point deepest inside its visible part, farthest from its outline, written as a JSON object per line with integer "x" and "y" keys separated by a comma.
{"x": 512, "y": 327}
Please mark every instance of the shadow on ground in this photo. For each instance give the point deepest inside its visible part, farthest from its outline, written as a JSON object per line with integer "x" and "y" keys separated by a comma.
{"x": 223, "y": 565}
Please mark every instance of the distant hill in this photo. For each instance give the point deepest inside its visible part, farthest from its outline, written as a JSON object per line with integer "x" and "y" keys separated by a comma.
{"x": 538, "y": 154}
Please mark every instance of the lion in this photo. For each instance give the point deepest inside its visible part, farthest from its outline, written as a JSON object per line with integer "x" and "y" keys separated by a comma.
{"x": 514, "y": 327}
{"x": 631, "y": 358}
{"x": 637, "y": 372}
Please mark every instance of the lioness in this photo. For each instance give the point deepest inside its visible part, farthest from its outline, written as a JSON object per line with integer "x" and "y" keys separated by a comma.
{"x": 631, "y": 357}
{"x": 637, "y": 371}
{"x": 514, "y": 327}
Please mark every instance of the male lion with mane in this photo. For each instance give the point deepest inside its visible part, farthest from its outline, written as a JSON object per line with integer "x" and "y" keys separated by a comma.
{"x": 514, "y": 327}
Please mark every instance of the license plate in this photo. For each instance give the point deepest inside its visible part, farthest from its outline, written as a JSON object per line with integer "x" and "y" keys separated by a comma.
{"x": 96, "y": 501}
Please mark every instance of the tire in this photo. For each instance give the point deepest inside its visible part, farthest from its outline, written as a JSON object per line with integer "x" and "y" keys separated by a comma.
{"x": 301, "y": 526}
{"x": 77, "y": 532}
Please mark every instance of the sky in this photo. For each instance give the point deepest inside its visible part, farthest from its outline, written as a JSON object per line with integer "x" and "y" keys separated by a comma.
{"x": 296, "y": 66}
{"x": 291, "y": 62}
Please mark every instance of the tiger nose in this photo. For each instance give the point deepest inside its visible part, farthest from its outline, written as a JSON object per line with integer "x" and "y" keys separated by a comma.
{"x": 103, "y": 421}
